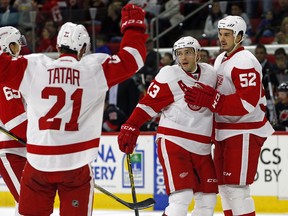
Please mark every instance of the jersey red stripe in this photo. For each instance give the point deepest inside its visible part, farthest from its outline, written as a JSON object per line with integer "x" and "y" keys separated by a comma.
{"x": 64, "y": 149}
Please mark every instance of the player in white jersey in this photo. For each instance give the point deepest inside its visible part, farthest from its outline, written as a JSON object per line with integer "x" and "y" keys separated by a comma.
{"x": 241, "y": 126}
{"x": 12, "y": 118}
{"x": 183, "y": 134}
{"x": 65, "y": 101}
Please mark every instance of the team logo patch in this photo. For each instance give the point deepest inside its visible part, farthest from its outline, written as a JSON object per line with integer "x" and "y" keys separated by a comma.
{"x": 183, "y": 175}
{"x": 194, "y": 107}
{"x": 75, "y": 203}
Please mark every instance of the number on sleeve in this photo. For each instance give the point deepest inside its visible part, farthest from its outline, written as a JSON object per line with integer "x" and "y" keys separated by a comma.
{"x": 153, "y": 90}
{"x": 11, "y": 93}
{"x": 247, "y": 79}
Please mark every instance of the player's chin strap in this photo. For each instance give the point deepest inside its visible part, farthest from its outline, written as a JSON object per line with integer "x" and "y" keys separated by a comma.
{"x": 235, "y": 45}
{"x": 135, "y": 205}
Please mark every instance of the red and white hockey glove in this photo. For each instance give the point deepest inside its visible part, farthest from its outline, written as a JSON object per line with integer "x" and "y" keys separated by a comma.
{"x": 127, "y": 138}
{"x": 132, "y": 17}
{"x": 204, "y": 96}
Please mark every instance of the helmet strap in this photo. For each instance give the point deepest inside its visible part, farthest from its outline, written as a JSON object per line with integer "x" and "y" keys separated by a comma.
{"x": 235, "y": 45}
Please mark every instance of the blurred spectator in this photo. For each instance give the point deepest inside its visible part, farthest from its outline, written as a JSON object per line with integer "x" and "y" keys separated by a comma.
{"x": 24, "y": 7}
{"x": 96, "y": 3}
{"x": 44, "y": 43}
{"x": 281, "y": 64}
{"x": 101, "y": 45}
{"x": 197, "y": 20}
{"x": 151, "y": 63}
{"x": 9, "y": 15}
{"x": 167, "y": 59}
{"x": 51, "y": 27}
{"x": 205, "y": 56}
{"x": 51, "y": 10}
{"x": 28, "y": 48}
{"x": 269, "y": 76}
{"x": 282, "y": 35}
{"x": 282, "y": 108}
{"x": 266, "y": 27}
{"x": 111, "y": 24}
{"x": 237, "y": 10}
{"x": 125, "y": 95}
{"x": 113, "y": 118}
{"x": 72, "y": 11}
{"x": 280, "y": 12}
{"x": 172, "y": 12}
{"x": 151, "y": 67}
{"x": 254, "y": 11}
{"x": 170, "y": 15}
{"x": 211, "y": 23}
{"x": 267, "y": 69}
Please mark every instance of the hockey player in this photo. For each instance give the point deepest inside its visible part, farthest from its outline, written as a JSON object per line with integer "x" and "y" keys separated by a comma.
{"x": 12, "y": 118}
{"x": 65, "y": 101}
{"x": 241, "y": 127}
{"x": 183, "y": 134}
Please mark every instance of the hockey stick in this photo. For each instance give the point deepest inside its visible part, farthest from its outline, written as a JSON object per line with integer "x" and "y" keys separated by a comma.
{"x": 132, "y": 182}
{"x": 138, "y": 205}
{"x": 13, "y": 136}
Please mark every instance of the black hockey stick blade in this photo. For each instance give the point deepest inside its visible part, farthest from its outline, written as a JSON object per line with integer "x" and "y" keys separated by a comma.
{"x": 138, "y": 205}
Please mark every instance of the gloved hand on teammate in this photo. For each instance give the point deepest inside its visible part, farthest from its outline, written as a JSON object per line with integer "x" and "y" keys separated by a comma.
{"x": 127, "y": 138}
{"x": 132, "y": 17}
{"x": 204, "y": 96}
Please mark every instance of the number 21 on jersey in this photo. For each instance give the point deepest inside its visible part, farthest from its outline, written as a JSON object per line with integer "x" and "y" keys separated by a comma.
{"x": 49, "y": 121}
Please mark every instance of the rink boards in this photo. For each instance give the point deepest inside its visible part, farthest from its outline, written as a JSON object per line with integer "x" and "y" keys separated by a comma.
{"x": 270, "y": 189}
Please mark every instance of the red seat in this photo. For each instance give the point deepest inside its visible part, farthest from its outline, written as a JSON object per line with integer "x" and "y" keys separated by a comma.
{"x": 255, "y": 23}
{"x": 97, "y": 28}
{"x": 213, "y": 42}
{"x": 271, "y": 58}
{"x": 204, "y": 42}
{"x": 266, "y": 40}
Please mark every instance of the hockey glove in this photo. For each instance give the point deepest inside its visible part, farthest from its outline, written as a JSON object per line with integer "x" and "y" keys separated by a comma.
{"x": 204, "y": 96}
{"x": 127, "y": 138}
{"x": 132, "y": 17}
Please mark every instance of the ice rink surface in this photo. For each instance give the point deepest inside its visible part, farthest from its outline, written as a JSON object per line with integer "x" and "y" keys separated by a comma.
{"x": 10, "y": 212}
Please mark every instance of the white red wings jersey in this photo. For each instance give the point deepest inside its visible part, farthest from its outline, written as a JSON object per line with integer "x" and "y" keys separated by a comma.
{"x": 12, "y": 118}
{"x": 188, "y": 126}
{"x": 239, "y": 77}
{"x": 65, "y": 100}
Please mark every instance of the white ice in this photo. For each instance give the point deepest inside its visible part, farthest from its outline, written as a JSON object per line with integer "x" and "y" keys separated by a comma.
{"x": 96, "y": 212}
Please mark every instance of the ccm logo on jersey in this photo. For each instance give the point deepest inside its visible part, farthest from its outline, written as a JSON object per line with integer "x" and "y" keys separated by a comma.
{"x": 216, "y": 100}
{"x": 212, "y": 180}
{"x": 128, "y": 128}
{"x": 227, "y": 174}
{"x": 132, "y": 21}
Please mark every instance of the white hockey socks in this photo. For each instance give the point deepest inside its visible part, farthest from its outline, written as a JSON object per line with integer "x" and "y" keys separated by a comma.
{"x": 204, "y": 204}
{"x": 178, "y": 203}
{"x": 237, "y": 198}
